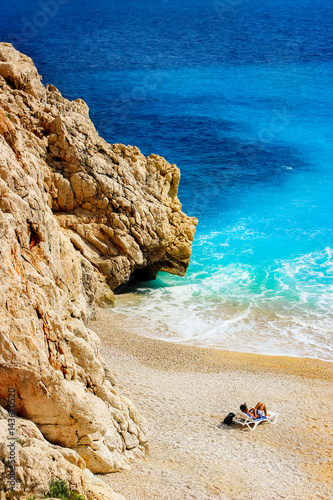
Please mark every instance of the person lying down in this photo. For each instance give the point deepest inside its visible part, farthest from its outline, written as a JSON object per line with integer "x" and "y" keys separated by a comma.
{"x": 259, "y": 411}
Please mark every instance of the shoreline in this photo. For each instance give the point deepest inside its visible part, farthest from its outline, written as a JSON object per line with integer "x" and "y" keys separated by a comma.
{"x": 254, "y": 340}
{"x": 185, "y": 392}
{"x": 210, "y": 359}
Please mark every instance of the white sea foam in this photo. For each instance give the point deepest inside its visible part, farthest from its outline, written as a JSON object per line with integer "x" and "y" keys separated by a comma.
{"x": 231, "y": 310}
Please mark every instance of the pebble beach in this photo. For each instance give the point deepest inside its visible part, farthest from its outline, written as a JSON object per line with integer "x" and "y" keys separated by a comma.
{"x": 185, "y": 392}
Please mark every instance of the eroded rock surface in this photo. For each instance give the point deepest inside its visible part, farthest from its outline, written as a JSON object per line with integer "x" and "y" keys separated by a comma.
{"x": 119, "y": 208}
{"x": 37, "y": 462}
{"x": 76, "y": 215}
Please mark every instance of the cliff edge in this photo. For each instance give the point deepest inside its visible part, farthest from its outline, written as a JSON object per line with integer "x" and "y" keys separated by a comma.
{"x": 78, "y": 217}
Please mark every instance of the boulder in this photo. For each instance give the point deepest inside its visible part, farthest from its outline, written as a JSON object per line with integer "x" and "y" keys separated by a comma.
{"x": 36, "y": 463}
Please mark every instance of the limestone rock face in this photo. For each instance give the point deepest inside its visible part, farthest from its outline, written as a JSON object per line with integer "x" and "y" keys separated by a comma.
{"x": 76, "y": 215}
{"x": 37, "y": 462}
{"x": 119, "y": 208}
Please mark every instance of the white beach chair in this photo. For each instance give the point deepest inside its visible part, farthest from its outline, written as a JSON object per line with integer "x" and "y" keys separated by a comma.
{"x": 244, "y": 419}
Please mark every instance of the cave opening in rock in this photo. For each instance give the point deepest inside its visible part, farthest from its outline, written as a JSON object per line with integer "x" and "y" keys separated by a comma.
{"x": 138, "y": 276}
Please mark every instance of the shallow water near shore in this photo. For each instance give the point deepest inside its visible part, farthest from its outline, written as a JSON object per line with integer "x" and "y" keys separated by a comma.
{"x": 256, "y": 159}
{"x": 238, "y": 94}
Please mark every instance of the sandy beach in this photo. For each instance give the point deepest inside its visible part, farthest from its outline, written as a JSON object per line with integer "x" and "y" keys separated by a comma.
{"x": 185, "y": 392}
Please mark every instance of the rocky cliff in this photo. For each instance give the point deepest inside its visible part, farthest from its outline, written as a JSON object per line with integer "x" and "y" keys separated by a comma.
{"x": 78, "y": 217}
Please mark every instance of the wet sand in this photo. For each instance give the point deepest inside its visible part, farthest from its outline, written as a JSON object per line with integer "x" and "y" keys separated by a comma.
{"x": 185, "y": 392}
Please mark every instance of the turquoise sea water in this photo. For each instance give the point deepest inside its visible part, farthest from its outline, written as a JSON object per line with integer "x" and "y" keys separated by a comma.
{"x": 239, "y": 95}
{"x": 260, "y": 279}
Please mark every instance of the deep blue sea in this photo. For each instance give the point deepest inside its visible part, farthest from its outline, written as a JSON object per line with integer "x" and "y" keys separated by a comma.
{"x": 239, "y": 95}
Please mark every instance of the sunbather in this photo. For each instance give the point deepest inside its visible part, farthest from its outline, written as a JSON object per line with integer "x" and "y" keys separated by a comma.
{"x": 258, "y": 411}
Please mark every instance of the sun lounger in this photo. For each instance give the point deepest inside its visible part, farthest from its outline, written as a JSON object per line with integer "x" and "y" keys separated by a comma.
{"x": 244, "y": 419}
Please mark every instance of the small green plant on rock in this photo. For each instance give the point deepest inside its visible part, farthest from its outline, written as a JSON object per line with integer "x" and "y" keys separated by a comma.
{"x": 59, "y": 489}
